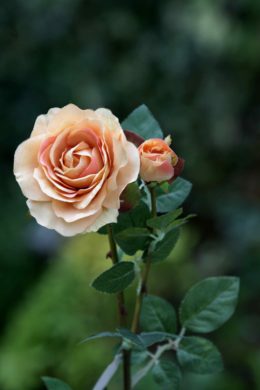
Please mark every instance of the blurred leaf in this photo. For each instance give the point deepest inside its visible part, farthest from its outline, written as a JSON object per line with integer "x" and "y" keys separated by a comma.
{"x": 101, "y": 335}
{"x": 157, "y": 315}
{"x": 131, "y": 337}
{"x": 136, "y": 217}
{"x": 162, "y": 222}
{"x": 199, "y": 355}
{"x": 209, "y": 303}
{"x": 55, "y": 384}
{"x": 130, "y": 197}
{"x": 142, "y": 122}
{"x": 164, "y": 247}
{"x": 139, "y": 357}
{"x": 150, "y": 338}
{"x": 133, "y": 239}
{"x": 167, "y": 374}
{"x": 178, "y": 192}
{"x": 179, "y": 222}
{"x": 116, "y": 279}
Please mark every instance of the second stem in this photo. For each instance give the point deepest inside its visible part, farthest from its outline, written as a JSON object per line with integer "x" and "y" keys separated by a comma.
{"x": 143, "y": 288}
{"x": 122, "y": 313}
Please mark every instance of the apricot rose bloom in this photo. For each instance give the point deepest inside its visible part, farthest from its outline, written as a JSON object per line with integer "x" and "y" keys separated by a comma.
{"x": 157, "y": 160}
{"x": 74, "y": 167}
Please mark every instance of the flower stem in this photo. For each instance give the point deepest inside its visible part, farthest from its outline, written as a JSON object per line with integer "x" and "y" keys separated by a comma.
{"x": 153, "y": 202}
{"x": 146, "y": 271}
{"x": 122, "y": 313}
{"x": 120, "y": 296}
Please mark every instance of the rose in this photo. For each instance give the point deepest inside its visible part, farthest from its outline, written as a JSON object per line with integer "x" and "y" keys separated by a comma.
{"x": 158, "y": 161}
{"x": 74, "y": 167}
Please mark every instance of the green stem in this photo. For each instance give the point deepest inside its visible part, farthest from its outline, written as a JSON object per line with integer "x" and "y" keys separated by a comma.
{"x": 120, "y": 296}
{"x": 146, "y": 271}
{"x": 153, "y": 201}
{"x": 122, "y": 313}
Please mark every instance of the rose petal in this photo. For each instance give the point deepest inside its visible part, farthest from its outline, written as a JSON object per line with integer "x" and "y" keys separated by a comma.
{"x": 126, "y": 175}
{"x": 42, "y": 121}
{"x": 44, "y": 215}
{"x": 25, "y": 161}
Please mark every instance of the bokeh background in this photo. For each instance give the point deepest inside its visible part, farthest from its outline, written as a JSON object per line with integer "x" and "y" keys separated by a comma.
{"x": 196, "y": 64}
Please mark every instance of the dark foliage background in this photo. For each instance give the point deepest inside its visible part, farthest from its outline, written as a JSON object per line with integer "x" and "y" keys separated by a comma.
{"x": 196, "y": 64}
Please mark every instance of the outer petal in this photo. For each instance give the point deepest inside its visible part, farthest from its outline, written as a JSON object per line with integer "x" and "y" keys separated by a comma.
{"x": 127, "y": 174}
{"x": 109, "y": 119}
{"x": 42, "y": 121}
{"x": 66, "y": 117}
{"x": 156, "y": 170}
{"x": 69, "y": 213}
{"x": 44, "y": 215}
{"x": 107, "y": 216}
{"x": 25, "y": 162}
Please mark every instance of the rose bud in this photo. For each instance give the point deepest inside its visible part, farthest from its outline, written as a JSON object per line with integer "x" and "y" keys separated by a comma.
{"x": 158, "y": 161}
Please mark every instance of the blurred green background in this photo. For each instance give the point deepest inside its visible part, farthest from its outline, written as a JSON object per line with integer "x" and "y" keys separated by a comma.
{"x": 196, "y": 64}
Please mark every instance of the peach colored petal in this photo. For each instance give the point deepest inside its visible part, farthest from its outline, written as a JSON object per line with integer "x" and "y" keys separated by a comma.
{"x": 44, "y": 215}
{"x": 25, "y": 161}
{"x": 42, "y": 121}
{"x": 90, "y": 196}
{"x": 157, "y": 171}
{"x": 48, "y": 187}
{"x": 120, "y": 160}
{"x": 57, "y": 147}
{"x": 106, "y": 216}
{"x": 75, "y": 172}
{"x": 66, "y": 117}
{"x": 95, "y": 165}
{"x": 126, "y": 175}
{"x": 110, "y": 120}
{"x": 87, "y": 131}
{"x": 70, "y": 213}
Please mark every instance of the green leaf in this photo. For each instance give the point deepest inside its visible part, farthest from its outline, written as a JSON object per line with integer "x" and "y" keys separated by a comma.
{"x": 139, "y": 357}
{"x": 136, "y": 217}
{"x": 209, "y": 303}
{"x": 167, "y": 374}
{"x": 164, "y": 221}
{"x": 199, "y": 355}
{"x": 157, "y": 315}
{"x": 178, "y": 192}
{"x": 116, "y": 279}
{"x": 150, "y": 338}
{"x": 55, "y": 384}
{"x": 100, "y": 335}
{"x": 163, "y": 248}
{"x": 142, "y": 122}
{"x": 130, "y": 197}
{"x": 133, "y": 239}
{"x": 179, "y": 222}
{"x": 131, "y": 337}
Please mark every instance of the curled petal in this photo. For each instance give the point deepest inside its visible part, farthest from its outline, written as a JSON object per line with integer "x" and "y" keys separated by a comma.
{"x": 25, "y": 161}
{"x": 44, "y": 215}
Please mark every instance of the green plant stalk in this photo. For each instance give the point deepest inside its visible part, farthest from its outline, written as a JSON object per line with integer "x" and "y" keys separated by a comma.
{"x": 122, "y": 313}
{"x": 143, "y": 290}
